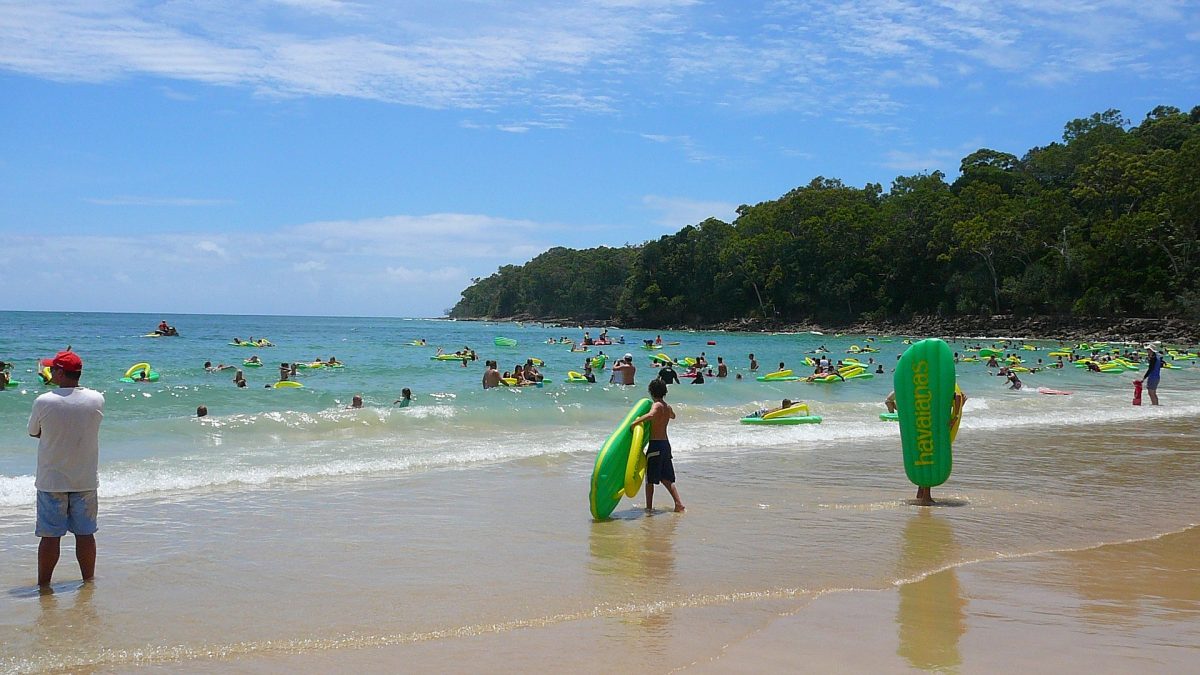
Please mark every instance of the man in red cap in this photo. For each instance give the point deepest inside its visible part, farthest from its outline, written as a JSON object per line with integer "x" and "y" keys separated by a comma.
{"x": 66, "y": 423}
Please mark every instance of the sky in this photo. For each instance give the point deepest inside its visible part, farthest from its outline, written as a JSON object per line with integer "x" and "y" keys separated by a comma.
{"x": 369, "y": 158}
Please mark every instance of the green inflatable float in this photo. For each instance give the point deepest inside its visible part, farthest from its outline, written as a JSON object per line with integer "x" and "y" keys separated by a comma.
{"x": 620, "y": 466}
{"x": 927, "y": 410}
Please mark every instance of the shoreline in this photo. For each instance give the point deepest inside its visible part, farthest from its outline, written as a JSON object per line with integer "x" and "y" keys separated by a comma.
{"x": 1066, "y": 328}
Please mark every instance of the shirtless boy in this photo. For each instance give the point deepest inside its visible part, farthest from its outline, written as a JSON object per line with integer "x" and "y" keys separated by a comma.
{"x": 658, "y": 466}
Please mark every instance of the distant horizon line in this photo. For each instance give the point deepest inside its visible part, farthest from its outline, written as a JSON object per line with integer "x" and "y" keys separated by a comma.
{"x": 170, "y": 314}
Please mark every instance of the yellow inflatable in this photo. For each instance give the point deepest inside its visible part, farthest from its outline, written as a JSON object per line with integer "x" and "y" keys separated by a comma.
{"x": 137, "y": 367}
{"x": 635, "y": 466}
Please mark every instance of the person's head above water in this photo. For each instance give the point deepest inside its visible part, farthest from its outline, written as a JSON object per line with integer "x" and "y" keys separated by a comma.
{"x": 657, "y": 388}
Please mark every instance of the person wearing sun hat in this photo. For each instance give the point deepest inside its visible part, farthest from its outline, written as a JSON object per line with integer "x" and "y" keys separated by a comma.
{"x": 1150, "y": 379}
{"x": 624, "y": 370}
{"x": 66, "y": 422}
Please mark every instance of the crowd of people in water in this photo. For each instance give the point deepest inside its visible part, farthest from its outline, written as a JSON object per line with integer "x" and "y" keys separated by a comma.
{"x": 1005, "y": 359}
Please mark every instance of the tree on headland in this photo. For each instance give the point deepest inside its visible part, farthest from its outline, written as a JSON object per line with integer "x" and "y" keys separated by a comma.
{"x": 1104, "y": 223}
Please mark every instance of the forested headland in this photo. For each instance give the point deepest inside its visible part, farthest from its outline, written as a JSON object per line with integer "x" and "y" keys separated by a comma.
{"x": 1103, "y": 223}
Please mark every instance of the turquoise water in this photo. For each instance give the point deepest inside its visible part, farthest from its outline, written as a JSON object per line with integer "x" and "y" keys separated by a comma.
{"x": 152, "y": 442}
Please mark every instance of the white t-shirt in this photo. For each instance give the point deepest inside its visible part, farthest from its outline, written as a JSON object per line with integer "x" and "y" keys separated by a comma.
{"x": 68, "y": 420}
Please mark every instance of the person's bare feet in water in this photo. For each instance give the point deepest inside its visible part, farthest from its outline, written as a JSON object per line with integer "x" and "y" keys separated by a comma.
{"x": 923, "y": 497}
{"x": 680, "y": 508}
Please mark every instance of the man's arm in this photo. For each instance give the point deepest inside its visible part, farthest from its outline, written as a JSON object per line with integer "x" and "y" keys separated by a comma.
{"x": 649, "y": 414}
{"x": 35, "y": 421}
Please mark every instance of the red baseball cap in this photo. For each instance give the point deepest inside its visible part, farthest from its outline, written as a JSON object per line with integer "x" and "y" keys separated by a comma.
{"x": 68, "y": 361}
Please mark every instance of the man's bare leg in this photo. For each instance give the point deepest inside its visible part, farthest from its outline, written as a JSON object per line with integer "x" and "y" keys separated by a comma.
{"x": 649, "y": 496}
{"x": 1153, "y": 396}
{"x": 924, "y": 498}
{"x": 48, "y": 550}
{"x": 85, "y": 553}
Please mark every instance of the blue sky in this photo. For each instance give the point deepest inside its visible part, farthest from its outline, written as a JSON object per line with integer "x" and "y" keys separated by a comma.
{"x": 369, "y": 158}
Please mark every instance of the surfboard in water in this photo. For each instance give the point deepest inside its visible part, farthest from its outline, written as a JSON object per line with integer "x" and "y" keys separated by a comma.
{"x": 925, "y": 385}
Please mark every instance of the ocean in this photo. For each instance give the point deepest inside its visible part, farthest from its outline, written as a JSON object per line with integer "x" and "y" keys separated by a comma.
{"x": 285, "y": 524}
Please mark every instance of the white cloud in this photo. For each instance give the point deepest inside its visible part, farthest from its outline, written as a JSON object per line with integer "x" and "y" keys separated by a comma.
{"x": 373, "y": 50}
{"x": 439, "y": 274}
{"x": 320, "y": 6}
{"x": 798, "y": 154}
{"x": 309, "y": 266}
{"x": 677, "y": 212}
{"x": 557, "y": 60}
{"x": 353, "y": 265}
{"x": 211, "y": 247}
{"x": 685, "y": 144}
{"x": 176, "y": 95}
{"x": 438, "y": 235}
{"x": 946, "y": 160}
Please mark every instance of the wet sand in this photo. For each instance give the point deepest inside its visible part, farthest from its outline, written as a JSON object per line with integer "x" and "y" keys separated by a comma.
{"x": 1113, "y": 609}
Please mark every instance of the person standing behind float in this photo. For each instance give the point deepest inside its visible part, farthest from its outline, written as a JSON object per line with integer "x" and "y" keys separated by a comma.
{"x": 659, "y": 468}
{"x": 1152, "y": 373}
{"x": 66, "y": 423}
{"x": 491, "y": 376}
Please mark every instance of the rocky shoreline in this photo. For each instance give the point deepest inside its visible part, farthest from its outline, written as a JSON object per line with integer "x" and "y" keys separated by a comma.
{"x": 1065, "y": 328}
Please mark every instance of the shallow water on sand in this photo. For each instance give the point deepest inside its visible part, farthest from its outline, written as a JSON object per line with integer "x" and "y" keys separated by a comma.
{"x": 294, "y": 527}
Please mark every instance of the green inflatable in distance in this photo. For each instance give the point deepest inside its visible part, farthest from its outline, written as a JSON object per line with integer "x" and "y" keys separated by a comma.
{"x": 608, "y": 474}
{"x": 924, "y": 383}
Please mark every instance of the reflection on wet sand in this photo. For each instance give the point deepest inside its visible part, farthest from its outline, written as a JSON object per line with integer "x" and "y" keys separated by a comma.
{"x": 1123, "y": 582}
{"x": 634, "y": 548}
{"x": 633, "y": 561}
{"x": 931, "y": 614}
{"x": 67, "y": 624}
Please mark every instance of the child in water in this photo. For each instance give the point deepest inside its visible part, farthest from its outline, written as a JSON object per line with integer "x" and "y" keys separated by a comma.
{"x": 659, "y": 468}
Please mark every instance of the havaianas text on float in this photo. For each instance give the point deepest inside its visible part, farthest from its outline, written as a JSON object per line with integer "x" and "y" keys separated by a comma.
{"x": 923, "y": 399}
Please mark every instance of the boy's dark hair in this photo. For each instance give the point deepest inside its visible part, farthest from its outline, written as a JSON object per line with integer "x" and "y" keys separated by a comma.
{"x": 657, "y": 388}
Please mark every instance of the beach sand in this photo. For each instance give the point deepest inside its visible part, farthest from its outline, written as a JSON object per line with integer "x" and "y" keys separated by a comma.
{"x": 1114, "y": 609}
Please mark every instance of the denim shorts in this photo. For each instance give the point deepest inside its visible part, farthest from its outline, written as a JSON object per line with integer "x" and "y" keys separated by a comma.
{"x": 62, "y": 512}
